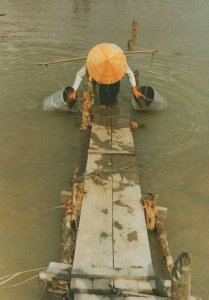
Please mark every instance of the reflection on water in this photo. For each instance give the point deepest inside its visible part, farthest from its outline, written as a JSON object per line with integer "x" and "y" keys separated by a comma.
{"x": 39, "y": 150}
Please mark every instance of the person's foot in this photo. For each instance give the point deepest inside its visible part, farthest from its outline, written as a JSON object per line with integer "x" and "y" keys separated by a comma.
{"x": 103, "y": 106}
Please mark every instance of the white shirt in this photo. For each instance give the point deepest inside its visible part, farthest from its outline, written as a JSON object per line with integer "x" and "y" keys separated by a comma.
{"x": 82, "y": 72}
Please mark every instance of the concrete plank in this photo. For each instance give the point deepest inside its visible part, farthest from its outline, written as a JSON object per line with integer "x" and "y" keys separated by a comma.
{"x": 101, "y": 297}
{"x": 126, "y": 285}
{"x": 146, "y": 286}
{"x": 112, "y": 241}
{"x": 141, "y": 286}
{"x": 113, "y": 273}
{"x": 122, "y": 139}
{"x": 96, "y": 297}
{"x": 83, "y": 284}
{"x": 147, "y": 297}
{"x": 100, "y": 137}
{"x": 102, "y": 284}
{"x": 94, "y": 239}
{"x": 131, "y": 246}
{"x": 97, "y": 162}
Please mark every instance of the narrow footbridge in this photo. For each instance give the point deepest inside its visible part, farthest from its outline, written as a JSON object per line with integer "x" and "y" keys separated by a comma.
{"x": 112, "y": 248}
{"x": 112, "y": 258}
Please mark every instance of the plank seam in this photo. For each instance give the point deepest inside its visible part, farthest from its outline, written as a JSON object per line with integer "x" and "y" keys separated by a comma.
{"x": 112, "y": 195}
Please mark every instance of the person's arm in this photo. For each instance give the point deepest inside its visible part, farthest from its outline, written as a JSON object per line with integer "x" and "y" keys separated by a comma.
{"x": 79, "y": 76}
{"x": 132, "y": 81}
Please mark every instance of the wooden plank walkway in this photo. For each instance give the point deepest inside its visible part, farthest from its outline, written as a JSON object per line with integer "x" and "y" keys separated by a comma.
{"x": 112, "y": 248}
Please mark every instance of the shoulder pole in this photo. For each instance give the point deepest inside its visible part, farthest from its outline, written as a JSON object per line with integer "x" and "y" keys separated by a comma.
{"x": 46, "y": 63}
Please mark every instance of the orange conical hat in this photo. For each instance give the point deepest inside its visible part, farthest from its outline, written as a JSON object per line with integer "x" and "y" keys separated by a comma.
{"x": 106, "y": 63}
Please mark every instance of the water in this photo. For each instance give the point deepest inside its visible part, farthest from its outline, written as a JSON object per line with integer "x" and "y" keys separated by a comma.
{"x": 39, "y": 151}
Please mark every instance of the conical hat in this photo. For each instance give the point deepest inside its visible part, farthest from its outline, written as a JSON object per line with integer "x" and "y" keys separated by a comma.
{"x": 106, "y": 63}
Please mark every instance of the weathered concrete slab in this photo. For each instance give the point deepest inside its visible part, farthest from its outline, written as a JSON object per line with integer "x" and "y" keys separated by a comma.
{"x": 102, "y": 284}
{"x": 94, "y": 239}
{"x": 112, "y": 246}
{"x": 139, "y": 286}
{"x": 122, "y": 139}
{"x": 100, "y": 137}
{"x": 131, "y": 245}
{"x": 130, "y": 273}
{"x": 100, "y": 297}
{"x": 58, "y": 271}
{"x": 82, "y": 284}
{"x": 95, "y": 297}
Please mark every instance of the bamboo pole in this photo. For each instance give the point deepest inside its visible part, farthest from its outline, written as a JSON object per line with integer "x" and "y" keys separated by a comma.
{"x": 46, "y": 63}
{"x": 142, "y": 51}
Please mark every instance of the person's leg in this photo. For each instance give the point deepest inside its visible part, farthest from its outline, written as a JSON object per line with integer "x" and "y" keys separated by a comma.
{"x": 113, "y": 92}
{"x": 103, "y": 94}
{"x": 108, "y": 93}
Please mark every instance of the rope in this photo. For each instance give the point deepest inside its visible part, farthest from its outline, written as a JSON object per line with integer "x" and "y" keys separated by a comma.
{"x": 21, "y": 272}
{"x": 19, "y": 283}
{"x": 55, "y": 78}
{"x": 10, "y": 278}
{"x": 42, "y": 293}
{"x": 149, "y": 72}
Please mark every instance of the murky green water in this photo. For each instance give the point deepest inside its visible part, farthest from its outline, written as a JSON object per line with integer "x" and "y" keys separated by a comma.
{"x": 39, "y": 151}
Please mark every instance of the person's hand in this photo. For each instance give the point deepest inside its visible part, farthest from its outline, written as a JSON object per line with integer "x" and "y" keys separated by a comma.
{"x": 136, "y": 92}
{"x": 72, "y": 95}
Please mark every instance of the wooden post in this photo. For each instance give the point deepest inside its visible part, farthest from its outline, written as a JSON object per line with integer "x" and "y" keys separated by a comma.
{"x": 155, "y": 219}
{"x": 87, "y": 102}
{"x": 130, "y": 45}
{"x": 71, "y": 220}
{"x": 132, "y": 41}
{"x": 134, "y": 32}
{"x": 149, "y": 204}
{"x": 163, "y": 241}
{"x": 78, "y": 190}
{"x": 181, "y": 277}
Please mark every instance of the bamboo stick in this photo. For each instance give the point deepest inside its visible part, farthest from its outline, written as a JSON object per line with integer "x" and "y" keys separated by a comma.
{"x": 46, "y": 63}
{"x": 142, "y": 51}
